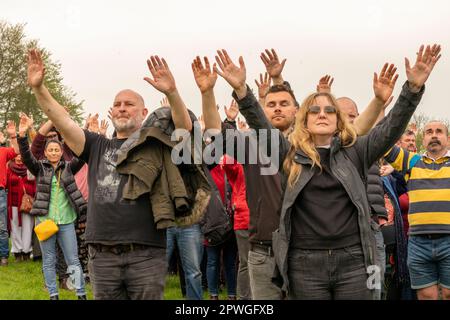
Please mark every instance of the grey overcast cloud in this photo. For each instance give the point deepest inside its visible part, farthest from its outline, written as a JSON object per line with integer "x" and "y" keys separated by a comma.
{"x": 103, "y": 45}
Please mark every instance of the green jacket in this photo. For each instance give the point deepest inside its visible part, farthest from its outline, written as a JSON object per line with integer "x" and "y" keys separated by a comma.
{"x": 179, "y": 194}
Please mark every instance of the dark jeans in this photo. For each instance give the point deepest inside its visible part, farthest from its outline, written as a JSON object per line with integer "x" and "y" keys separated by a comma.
{"x": 229, "y": 249}
{"x": 337, "y": 274}
{"x": 135, "y": 275}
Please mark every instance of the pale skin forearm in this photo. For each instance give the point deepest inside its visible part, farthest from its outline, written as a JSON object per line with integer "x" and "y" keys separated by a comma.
{"x": 180, "y": 114}
{"x": 366, "y": 120}
{"x": 14, "y": 144}
{"x": 278, "y": 80}
{"x": 211, "y": 115}
{"x": 73, "y": 135}
{"x": 45, "y": 128}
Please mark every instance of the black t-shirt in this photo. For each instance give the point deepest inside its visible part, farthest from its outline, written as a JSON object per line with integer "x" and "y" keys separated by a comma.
{"x": 324, "y": 216}
{"x": 112, "y": 220}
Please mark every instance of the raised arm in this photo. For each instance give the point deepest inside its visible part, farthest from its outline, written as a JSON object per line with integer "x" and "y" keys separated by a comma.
{"x": 164, "y": 82}
{"x": 263, "y": 87}
{"x": 384, "y": 136}
{"x": 27, "y": 157}
{"x": 11, "y": 130}
{"x": 324, "y": 84}
{"x": 72, "y": 133}
{"x": 273, "y": 66}
{"x": 206, "y": 80}
{"x": 383, "y": 86}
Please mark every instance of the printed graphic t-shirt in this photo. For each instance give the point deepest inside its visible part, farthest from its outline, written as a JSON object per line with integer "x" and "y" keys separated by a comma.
{"x": 112, "y": 220}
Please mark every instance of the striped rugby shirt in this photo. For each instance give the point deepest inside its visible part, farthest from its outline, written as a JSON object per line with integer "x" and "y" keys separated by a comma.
{"x": 428, "y": 190}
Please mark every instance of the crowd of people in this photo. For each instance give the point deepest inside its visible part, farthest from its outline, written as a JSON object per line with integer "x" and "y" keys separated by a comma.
{"x": 352, "y": 211}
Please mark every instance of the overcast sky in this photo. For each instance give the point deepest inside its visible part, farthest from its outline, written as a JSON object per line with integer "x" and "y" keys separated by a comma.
{"x": 103, "y": 45}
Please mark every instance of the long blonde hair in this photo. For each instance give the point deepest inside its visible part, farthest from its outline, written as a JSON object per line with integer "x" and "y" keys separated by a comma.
{"x": 302, "y": 139}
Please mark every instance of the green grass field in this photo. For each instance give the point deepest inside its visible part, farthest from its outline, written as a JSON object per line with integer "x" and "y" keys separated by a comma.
{"x": 24, "y": 281}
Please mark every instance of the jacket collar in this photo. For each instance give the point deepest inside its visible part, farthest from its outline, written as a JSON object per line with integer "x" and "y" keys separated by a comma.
{"x": 301, "y": 157}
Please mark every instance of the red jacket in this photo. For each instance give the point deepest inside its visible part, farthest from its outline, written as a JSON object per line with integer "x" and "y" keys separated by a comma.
{"x": 235, "y": 176}
{"x": 15, "y": 185}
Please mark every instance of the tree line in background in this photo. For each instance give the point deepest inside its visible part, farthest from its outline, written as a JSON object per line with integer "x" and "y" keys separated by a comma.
{"x": 15, "y": 95}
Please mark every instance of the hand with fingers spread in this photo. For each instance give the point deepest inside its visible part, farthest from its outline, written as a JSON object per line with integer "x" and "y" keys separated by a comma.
{"x": 165, "y": 102}
{"x": 233, "y": 74}
{"x": 263, "y": 85}
{"x": 29, "y": 120}
{"x": 325, "y": 84}
{"x": 36, "y": 69}
{"x": 11, "y": 128}
{"x": 103, "y": 127}
{"x": 163, "y": 80}
{"x": 426, "y": 60}
{"x": 204, "y": 76}
{"x": 93, "y": 124}
{"x": 383, "y": 85}
{"x": 25, "y": 124}
{"x": 231, "y": 112}
{"x": 273, "y": 65}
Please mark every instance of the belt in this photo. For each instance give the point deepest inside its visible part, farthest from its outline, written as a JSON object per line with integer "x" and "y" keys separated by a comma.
{"x": 433, "y": 236}
{"x": 263, "y": 249}
{"x": 119, "y": 248}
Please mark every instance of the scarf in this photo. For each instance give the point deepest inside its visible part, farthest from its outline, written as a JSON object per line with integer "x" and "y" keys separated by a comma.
{"x": 19, "y": 169}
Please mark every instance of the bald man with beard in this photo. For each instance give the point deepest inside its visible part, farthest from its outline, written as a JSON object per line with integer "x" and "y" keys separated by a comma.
{"x": 127, "y": 258}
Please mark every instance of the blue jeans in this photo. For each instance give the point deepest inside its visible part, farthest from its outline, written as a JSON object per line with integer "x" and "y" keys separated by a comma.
{"x": 67, "y": 240}
{"x": 4, "y": 245}
{"x": 229, "y": 249}
{"x": 190, "y": 246}
{"x": 429, "y": 261}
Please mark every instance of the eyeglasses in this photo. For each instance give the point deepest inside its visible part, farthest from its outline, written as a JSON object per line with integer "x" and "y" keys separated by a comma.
{"x": 52, "y": 136}
{"x": 327, "y": 109}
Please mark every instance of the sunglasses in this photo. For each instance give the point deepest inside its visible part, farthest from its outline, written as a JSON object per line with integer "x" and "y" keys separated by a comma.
{"x": 326, "y": 109}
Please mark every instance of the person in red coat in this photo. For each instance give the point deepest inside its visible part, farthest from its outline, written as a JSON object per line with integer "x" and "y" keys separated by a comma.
{"x": 20, "y": 224}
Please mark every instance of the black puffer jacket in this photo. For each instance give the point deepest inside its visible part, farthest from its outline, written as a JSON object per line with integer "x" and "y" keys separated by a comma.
{"x": 375, "y": 192}
{"x": 43, "y": 171}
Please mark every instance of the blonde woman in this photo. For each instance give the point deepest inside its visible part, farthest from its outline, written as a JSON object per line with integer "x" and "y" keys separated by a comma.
{"x": 325, "y": 246}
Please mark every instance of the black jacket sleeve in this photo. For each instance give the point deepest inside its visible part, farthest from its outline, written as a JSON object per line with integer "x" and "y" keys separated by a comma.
{"x": 27, "y": 157}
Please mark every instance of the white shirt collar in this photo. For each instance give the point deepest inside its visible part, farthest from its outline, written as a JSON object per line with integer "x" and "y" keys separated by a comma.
{"x": 447, "y": 155}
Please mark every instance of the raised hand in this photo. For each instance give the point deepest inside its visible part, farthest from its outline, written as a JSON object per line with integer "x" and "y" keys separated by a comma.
{"x": 204, "y": 76}
{"x": 325, "y": 84}
{"x": 93, "y": 124}
{"x": 233, "y": 74}
{"x": 263, "y": 85}
{"x": 36, "y": 69}
{"x": 25, "y": 124}
{"x": 103, "y": 127}
{"x": 425, "y": 62}
{"x": 383, "y": 86}
{"x": 232, "y": 111}
{"x": 165, "y": 102}
{"x": 272, "y": 63}
{"x": 11, "y": 128}
{"x": 87, "y": 121}
{"x": 163, "y": 80}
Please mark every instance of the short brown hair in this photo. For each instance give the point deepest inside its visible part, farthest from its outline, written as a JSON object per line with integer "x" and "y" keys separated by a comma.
{"x": 283, "y": 88}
